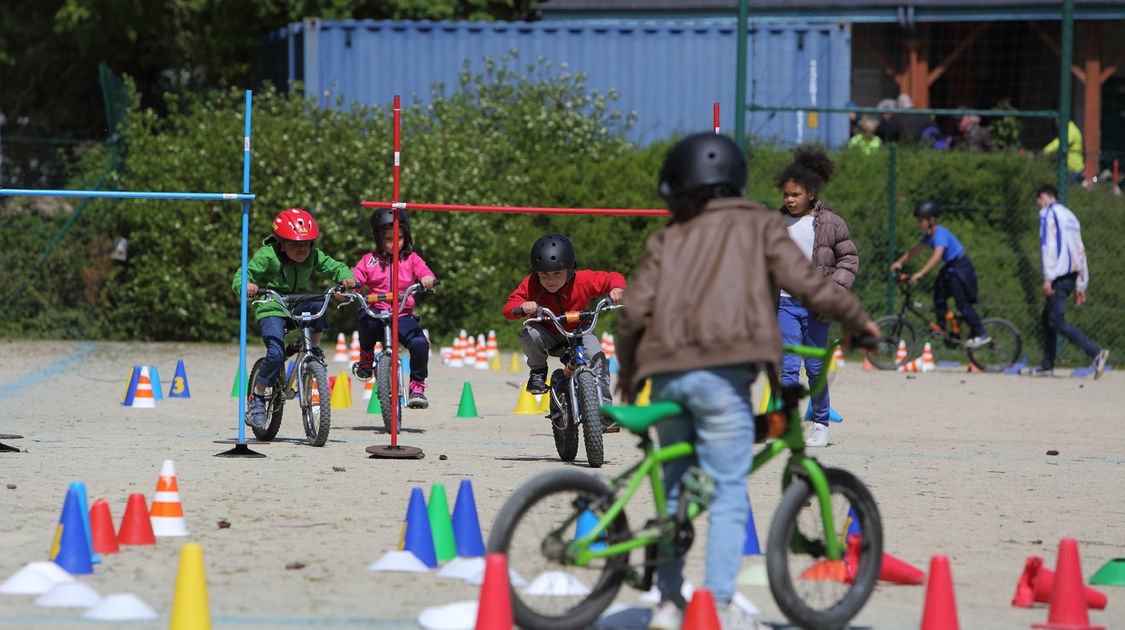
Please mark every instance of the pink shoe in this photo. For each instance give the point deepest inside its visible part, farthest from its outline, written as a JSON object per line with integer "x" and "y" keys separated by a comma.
{"x": 417, "y": 399}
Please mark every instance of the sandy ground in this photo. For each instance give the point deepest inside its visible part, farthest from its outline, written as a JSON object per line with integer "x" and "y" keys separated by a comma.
{"x": 958, "y": 462}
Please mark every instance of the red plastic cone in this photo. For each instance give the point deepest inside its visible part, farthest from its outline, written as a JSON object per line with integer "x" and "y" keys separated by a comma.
{"x": 136, "y": 527}
{"x": 701, "y": 613}
{"x": 891, "y": 570}
{"x": 1035, "y": 586}
{"x": 1068, "y": 603}
{"x": 101, "y": 528}
{"x": 494, "y": 611}
{"x": 940, "y": 611}
{"x": 867, "y": 364}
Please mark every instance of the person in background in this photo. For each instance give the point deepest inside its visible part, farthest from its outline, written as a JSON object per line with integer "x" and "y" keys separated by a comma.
{"x": 1075, "y": 160}
{"x": 866, "y": 140}
{"x": 912, "y": 125}
{"x": 973, "y": 136}
{"x": 888, "y": 129}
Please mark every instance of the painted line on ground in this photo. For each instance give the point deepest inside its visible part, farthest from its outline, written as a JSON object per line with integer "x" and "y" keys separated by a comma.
{"x": 50, "y": 370}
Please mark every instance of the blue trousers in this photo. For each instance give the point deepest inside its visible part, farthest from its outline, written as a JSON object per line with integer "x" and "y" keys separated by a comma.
{"x": 957, "y": 279}
{"x": 273, "y": 330}
{"x": 798, "y": 327}
{"x": 409, "y": 334}
{"x": 1054, "y": 322}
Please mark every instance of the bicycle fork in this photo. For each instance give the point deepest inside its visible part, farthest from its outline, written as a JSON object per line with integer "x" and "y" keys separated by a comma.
{"x": 808, "y": 468}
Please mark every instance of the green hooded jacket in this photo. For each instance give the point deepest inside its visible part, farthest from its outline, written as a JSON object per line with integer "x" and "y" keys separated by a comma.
{"x": 270, "y": 269}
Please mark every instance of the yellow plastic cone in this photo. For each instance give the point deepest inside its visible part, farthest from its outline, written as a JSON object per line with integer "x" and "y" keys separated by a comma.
{"x": 339, "y": 397}
{"x": 189, "y": 606}
{"x": 526, "y": 403}
{"x": 495, "y": 364}
{"x": 645, "y": 397}
{"x": 347, "y": 386}
{"x": 764, "y": 405}
{"x": 515, "y": 366}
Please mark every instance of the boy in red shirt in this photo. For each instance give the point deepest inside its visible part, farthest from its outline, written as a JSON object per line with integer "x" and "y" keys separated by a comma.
{"x": 556, "y": 284}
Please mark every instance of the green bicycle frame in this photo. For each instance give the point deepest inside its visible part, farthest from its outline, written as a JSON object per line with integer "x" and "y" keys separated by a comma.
{"x": 580, "y": 553}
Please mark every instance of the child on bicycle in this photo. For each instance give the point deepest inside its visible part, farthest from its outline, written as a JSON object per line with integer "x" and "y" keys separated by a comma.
{"x": 556, "y": 283}
{"x": 957, "y": 277}
{"x": 700, "y": 321}
{"x": 373, "y": 273}
{"x": 823, "y": 236}
{"x": 285, "y": 263}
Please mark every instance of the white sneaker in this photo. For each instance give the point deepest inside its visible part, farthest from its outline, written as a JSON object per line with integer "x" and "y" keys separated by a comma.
{"x": 1099, "y": 362}
{"x": 817, "y": 434}
{"x": 734, "y": 618}
{"x": 976, "y": 342}
{"x": 666, "y": 616}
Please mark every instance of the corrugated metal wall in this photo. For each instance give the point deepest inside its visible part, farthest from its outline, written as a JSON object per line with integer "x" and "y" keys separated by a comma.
{"x": 670, "y": 74}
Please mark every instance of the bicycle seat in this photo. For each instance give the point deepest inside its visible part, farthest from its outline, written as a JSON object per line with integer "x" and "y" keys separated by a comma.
{"x": 637, "y": 418}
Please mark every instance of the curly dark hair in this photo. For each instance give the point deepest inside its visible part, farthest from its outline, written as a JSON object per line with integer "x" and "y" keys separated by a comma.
{"x": 810, "y": 169}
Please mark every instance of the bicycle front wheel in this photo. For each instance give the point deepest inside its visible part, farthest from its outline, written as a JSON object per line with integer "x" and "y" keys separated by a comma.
{"x": 386, "y": 392}
{"x": 563, "y": 425}
{"x": 1002, "y": 351}
{"x": 533, "y": 529}
{"x": 316, "y": 410}
{"x": 893, "y": 329}
{"x": 590, "y": 399}
{"x": 812, "y": 591}
{"x": 275, "y": 403}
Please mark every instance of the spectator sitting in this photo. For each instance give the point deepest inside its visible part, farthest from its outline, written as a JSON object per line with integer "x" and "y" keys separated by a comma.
{"x": 973, "y": 136}
{"x": 866, "y": 140}
{"x": 912, "y": 125}
{"x": 888, "y": 129}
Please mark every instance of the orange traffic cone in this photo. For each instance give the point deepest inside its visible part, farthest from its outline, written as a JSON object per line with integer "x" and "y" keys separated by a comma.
{"x": 940, "y": 611}
{"x": 341, "y": 349}
{"x": 353, "y": 356}
{"x": 891, "y": 570}
{"x": 838, "y": 357}
{"x": 900, "y": 354}
{"x": 927, "y": 358}
{"x": 700, "y": 613}
{"x": 1068, "y": 604}
{"x": 494, "y": 611}
{"x": 143, "y": 398}
{"x": 314, "y": 398}
{"x": 491, "y": 347}
{"x": 167, "y": 515}
{"x": 973, "y": 367}
{"x": 1035, "y": 585}
{"x": 482, "y": 353}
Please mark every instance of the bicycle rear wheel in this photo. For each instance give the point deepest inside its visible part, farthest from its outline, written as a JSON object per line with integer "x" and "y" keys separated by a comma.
{"x": 812, "y": 591}
{"x": 316, "y": 412}
{"x": 533, "y": 529}
{"x": 275, "y": 403}
{"x": 590, "y": 399}
{"x": 1002, "y": 351}
{"x": 893, "y": 330}
{"x": 566, "y": 437}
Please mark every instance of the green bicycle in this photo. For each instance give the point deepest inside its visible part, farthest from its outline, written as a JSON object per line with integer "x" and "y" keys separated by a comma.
{"x": 567, "y": 537}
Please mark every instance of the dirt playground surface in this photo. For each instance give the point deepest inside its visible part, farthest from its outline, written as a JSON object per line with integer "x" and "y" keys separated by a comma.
{"x": 985, "y": 469}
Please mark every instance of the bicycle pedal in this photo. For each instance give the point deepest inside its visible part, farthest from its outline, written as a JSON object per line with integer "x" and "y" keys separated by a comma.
{"x": 699, "y": 486}
{"x": 611, "y": 428}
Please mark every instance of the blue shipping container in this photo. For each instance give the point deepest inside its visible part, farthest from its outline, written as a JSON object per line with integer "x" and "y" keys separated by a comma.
{"x": 670, "y": 74}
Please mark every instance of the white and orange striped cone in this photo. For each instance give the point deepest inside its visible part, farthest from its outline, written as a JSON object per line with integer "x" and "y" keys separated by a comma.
{"x": 611, "y": 354}
{"x": 456, "y": 356}
{"x": 368, "y": 388}
{"x": 378, "y": 347}
{"x": 353, "y": 356}
{"x": 838, "y": 358}
{"x": 927, "y": 358}
{"x": 429, "y": 346}
{"x": 167, "y": 514}
{"x": 900, "y": 354}
{"x": 143, "y": 398}
{"x": 491, "y": 347}
{"x": 341, "y": 349}
{"x": 470, "y": 346}
{"x": 482, "y": 353}
{"x": 911, "y": 366}
{"x": 605, "y": 343}
{"x": 314, "y": 397}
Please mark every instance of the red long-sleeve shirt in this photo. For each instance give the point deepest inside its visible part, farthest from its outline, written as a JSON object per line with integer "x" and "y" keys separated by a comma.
{"x": 575, "y": 295}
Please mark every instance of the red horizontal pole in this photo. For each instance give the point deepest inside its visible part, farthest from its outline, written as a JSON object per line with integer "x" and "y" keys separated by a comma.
{"x": 516, "y": 209}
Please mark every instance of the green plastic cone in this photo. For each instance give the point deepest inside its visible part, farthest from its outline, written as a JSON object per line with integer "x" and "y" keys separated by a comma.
{"x": 468, "y": 407}
{"x": 373, "y": 406}
{"x": 441, "y": 525}
{"x": 234, "y": 390}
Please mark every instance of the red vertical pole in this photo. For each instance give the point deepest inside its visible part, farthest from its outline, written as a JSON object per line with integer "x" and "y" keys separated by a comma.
{"x": 716, "y": 118}
{"x": 394, "y": 291}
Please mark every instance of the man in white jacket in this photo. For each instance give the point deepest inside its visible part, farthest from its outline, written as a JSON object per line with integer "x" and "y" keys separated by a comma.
{"x": 1063, "y": 259}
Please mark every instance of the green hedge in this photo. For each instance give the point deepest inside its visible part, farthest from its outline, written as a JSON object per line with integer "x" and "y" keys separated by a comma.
{"x": 513, "y": 135}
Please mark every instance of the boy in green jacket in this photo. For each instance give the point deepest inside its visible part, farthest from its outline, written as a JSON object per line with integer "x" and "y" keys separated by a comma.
{"x": 284, "y": 263}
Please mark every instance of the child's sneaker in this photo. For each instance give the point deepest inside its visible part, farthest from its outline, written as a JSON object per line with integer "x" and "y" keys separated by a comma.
{"x": 537, "y": 383}
{"x": 976, "y": 342}
{"x": 1099, "y": 362}
{"x": 417, "y": 399}
{"x": 666, "y": 616}
{"x": 817, "y": 434}
{"x": 256, "y": 411}
{"x": 362, "y": 369}
{"x": 731, "y": 617}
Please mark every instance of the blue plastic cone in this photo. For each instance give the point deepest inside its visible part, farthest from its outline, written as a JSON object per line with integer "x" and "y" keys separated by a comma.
{"x": 586, "y": 522}
{"x": 80, "y": 488}
{"x": 179, "y": 388}
{"x": 751, "y": 547}
{"x": 853, "y": 524}
{"x": 417, "y": 537}
{"x": 832, "y": 415}
{"x": 154, "y": 378}
{"x": 71, "y": 550}
{"x": 466, "y": 525}
{"x": 134, "y": 378}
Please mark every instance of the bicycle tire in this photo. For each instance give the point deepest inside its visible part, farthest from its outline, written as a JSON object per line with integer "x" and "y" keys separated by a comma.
{"x": 383, "y": 381}
{"x": 795, "y": 552}
{"x": 590, "y": 399}
{"x": 275, "y": 403}
{"x": 566, "y": 438}
{"x": 892, "y": 329}
{"x": 1004, "y": 349}
{"x": 533, "y": 528}
{"x": 316, "y": 415}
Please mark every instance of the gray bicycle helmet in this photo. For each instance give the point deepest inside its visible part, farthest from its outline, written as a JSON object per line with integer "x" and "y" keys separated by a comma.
{"x": 383, "y": 217}
{"x": 552, "y": 252}
{"x": 703, "y": 160}
{"x": 926, "y": 209}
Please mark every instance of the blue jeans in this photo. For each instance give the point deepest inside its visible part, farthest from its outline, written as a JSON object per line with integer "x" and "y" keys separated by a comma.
{"x": 719, "y": 419}
{"x": 273, "y": 330}
{"x": 410, "y": 334}
{"x": 798, "y": 327}
{"x": 1054, "y": 322}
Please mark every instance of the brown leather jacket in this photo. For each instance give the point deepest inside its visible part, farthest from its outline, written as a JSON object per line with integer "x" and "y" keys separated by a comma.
{"x": 705, "y": 293}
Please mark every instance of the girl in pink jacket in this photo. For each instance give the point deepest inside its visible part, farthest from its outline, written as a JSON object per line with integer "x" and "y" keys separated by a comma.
{"x": 373, "y": 274}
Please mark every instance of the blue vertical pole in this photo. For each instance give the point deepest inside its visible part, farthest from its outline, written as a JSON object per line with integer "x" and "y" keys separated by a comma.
{"x": 242, "y": 384}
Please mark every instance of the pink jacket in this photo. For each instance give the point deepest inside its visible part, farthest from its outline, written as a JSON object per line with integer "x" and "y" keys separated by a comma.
{"x": 373, "y": 273}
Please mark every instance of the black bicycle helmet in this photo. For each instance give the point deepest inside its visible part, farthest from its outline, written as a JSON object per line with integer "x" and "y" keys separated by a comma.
{"x": 553, "y": 252}
{"x": 702, "y": 160}
{"x": 926, "y": 209}
{"x": 383, "y": 217}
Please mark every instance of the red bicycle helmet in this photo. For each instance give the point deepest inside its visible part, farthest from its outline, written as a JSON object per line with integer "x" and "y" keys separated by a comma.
{"x": 295, "y": 224}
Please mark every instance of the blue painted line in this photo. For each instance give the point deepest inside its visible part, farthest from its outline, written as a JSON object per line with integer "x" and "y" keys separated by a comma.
{"x": 50, "y": 370}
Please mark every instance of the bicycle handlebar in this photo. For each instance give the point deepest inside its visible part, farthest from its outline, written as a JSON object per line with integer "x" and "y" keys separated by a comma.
{"x": 296, "y": 298}
{"x": 365, "y": 302}
{"x": 574, "y": 317}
